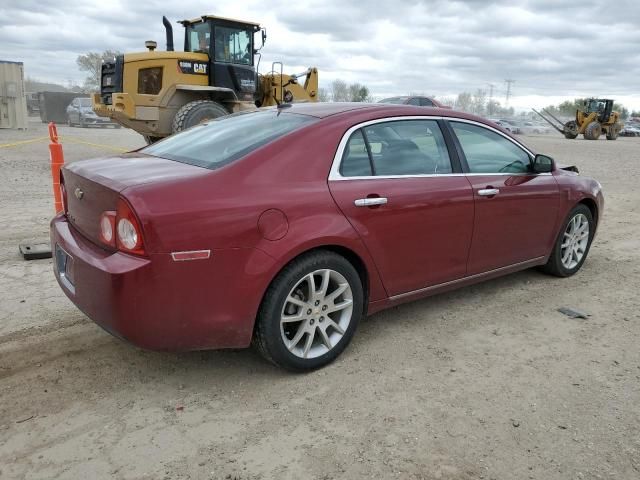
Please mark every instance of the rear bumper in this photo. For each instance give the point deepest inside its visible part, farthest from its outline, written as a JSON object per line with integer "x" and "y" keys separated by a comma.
{"x": 98, "y": 121}
{"x": 160, "y": 304}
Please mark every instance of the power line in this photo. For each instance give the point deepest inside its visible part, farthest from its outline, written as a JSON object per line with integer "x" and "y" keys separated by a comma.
{"x": 508, "y": 81}
{"x": 491, "y": 85}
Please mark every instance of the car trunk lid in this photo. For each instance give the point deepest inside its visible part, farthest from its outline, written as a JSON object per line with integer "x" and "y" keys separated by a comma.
{"x": 94, "y": 186}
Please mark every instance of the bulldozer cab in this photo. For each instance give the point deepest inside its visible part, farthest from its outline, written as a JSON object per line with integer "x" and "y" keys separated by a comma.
{"x": 603, "y": 107}
{"x": 230, "y": 47}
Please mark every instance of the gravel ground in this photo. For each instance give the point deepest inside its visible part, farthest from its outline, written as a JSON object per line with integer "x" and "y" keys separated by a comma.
{"x": 487, "y": 382}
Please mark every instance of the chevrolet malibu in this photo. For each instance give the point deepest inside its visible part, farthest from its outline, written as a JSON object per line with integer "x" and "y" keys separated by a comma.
{"x": 283, "y": 227}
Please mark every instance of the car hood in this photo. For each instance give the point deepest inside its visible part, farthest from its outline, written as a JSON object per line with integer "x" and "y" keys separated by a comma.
{"x": 130, "y": 169}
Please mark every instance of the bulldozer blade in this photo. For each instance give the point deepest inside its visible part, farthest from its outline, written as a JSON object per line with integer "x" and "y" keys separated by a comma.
{"x": 561, "y": 130}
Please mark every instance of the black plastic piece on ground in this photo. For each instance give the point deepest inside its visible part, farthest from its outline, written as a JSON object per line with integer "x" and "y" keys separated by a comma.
{"x": 35, "y": 251}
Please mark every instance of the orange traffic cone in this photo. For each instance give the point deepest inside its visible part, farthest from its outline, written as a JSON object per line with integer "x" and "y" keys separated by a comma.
{"x": 57, "y": 161}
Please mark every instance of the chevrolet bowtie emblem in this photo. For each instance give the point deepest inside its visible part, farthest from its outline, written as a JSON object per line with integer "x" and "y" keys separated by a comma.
{"x": 79, "y": 193}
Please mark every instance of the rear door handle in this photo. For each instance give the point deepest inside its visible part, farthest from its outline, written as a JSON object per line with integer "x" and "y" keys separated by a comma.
{"x": 488, "y": 192}
{"x": 370, "y": 202}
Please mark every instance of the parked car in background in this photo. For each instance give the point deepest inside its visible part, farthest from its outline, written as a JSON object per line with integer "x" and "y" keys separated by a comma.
{"x": 284, "y": 226}
{"x": 80, "y": 112}
{"x": 533, "y": 128}
{"x": 630, "y": 131}
{"x": 506, "y": 125}
{"x": 414, "y": 100}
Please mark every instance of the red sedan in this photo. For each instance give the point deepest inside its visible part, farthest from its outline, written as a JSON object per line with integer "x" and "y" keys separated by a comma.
{"x": 285, "y": 226}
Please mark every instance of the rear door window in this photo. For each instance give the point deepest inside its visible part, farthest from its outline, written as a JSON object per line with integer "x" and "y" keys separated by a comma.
{"x": 396, "y": 148}
{"x": 219, "y": 142}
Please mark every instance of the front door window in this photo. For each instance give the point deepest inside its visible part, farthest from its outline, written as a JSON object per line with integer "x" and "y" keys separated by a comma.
{"x": 489, "y": 152}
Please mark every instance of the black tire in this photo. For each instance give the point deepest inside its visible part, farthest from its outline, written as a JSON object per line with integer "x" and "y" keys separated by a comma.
{"x": 150, "y": 139}
{"x": 197, "y": 112}
{"x": 117, "y": 127}
{"x": 82, "y": 124}
{"x": 554, "y": 265}
{"x": 612, "y": 132}
{"x": 570, "y": 130}
{"x": 593, "y": 131}
{"x": 69, "y": 122}
{"x": 267, "y": 335}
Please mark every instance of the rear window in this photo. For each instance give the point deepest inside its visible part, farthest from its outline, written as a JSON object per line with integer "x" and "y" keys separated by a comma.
{"x": 219, "y": 142}
{"x": 396, "y": 100}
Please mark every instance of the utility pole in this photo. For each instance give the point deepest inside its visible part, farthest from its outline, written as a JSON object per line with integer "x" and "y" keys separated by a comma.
{"x": 508, "y": 81}
{"x": 491, "y": 85}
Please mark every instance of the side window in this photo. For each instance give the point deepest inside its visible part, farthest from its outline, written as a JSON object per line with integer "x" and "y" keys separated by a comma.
{"x": 414, "y": 101}
{"x": 490, "y": 152}
{"x": 355, "y": 159}
{"x": 233, "y": 45}
{"x": 425, "y": 102}
{"x": 408, "y": 147}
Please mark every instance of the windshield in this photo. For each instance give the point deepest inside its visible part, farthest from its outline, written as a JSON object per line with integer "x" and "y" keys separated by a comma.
{"x": 398, "y": 100}
{"x": 219, "y": 142}
{"x": 198, "y": 37}
{"x": 233, "y": 45}
{"x": 85, "y": 102}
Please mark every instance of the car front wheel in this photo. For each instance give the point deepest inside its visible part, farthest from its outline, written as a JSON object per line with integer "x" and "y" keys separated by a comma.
{"x": 310, "y": 312}
{"x": 573, "y": 243}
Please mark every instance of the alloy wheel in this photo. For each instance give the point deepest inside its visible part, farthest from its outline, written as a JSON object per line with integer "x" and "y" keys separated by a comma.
{"x": 316, "y": 313}
{"x": 575, "y": 241}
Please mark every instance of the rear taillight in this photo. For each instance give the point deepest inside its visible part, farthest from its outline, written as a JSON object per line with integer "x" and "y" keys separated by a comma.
{"x": 128, "y": 231}
{"x": 108, "y": 228}
{"x": 121, "y": 229}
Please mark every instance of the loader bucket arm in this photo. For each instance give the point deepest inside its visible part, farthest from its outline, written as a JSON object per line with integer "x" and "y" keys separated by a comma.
{"x": 561, "y": 130}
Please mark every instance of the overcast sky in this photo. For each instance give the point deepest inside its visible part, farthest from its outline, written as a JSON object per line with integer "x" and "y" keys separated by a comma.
{"x": 553, "y": 49}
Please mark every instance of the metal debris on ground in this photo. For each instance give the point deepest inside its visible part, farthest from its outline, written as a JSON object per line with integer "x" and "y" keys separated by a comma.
{"x": 35, "y": 251}
{"x": 572, "y": 313}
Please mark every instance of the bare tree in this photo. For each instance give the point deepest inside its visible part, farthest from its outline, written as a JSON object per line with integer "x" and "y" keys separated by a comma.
{"x": 479, "y": 101}
{"x": 339, "y": 91}
{"x": 359, "y": 93}
{"x": 323, "y": 95}
{"x": 91, "y": 63}
{"x": 448, "y": 101}
{"x": 464, "y": 102}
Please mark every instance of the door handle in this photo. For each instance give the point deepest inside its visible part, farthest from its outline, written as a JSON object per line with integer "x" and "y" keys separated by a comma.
{"x": 370, "y": 202}
{"x": 488, "y": 192}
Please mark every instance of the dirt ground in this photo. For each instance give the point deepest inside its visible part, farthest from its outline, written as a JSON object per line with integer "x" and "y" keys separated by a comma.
{"x": 488, "y": 382}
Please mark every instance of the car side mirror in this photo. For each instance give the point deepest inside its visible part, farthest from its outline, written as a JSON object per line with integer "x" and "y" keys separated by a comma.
{"x": 542, "y": 164}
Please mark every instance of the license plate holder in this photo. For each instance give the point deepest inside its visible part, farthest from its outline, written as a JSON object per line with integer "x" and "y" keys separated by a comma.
{"x": 64, "y": 268}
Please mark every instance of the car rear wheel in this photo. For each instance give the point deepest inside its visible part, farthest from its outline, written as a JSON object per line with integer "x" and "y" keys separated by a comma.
{"x": 310, "y": 312}
{"x": 573, "y": 243}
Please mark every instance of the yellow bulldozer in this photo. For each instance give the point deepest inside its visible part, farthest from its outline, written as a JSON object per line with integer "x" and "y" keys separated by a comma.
{"x": 157, "y": 93}
{"x": 594, "y": 119}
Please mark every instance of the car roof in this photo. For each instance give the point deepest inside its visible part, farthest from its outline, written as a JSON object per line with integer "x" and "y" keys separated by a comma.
{"x": 374, "y": 111}
{"x": 377, "y": 110}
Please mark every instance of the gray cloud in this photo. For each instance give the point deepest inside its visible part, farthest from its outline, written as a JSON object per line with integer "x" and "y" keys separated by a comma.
{"x": 439, "y": 47}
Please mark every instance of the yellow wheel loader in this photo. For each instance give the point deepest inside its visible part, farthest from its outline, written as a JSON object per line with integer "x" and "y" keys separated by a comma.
{"x": 157, "y": 93}
{"x": 596, "y": 118}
